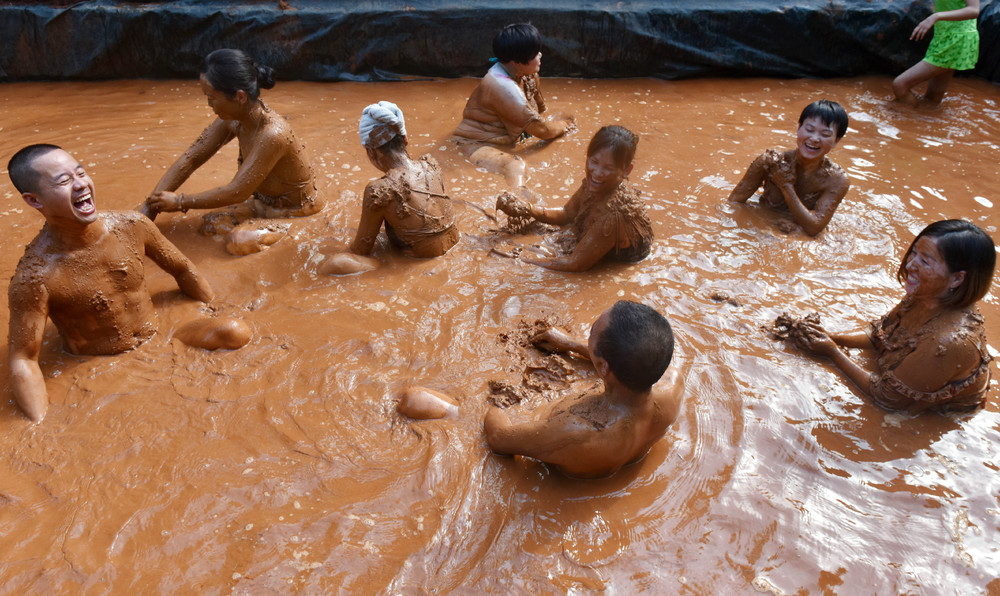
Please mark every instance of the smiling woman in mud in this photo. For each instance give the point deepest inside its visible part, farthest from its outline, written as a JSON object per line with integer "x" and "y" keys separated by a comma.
{"x": 803, "y": 180}
{"x": 410, "y": 199}
{"x": 930, "y": 350}
{"x": 274, "y": 171}
{"x": 606, "y": 217}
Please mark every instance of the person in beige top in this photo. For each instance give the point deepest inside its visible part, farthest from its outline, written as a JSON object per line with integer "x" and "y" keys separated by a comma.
{"x": 595, "y": 434}
{"x": 507, "y": 106}
{"x": 274, "y": 178}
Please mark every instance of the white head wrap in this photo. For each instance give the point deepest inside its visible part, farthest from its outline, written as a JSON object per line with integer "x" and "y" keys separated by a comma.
{"x": 380, "y": 123}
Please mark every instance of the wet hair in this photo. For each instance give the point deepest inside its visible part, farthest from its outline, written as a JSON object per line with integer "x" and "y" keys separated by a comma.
{"x": 229, "y": 71}
{"x": 396, "y": 144}
{"x": 519, "y": 42}
{"x": 964, "y": 247}
{"x": 829, "y": 112}
{"x": 21, "y": 168}
{"x": 619, "y": 139}
{"x": 637, "y": 344}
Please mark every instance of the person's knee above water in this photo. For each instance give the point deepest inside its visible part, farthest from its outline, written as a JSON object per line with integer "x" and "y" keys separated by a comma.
{"x": 605, "y": 216}
{"x": 84, "y": 270}
{"x": 593, "y": 435}
{"x": 273, "y": 177}
{"x": 802, "y": 181}
{"x": 409, "y": 200}
{"x": 507, "y": 106}
{"x": 930, "y": 350}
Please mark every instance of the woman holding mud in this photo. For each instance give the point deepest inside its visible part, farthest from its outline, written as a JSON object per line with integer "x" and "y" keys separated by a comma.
{"x": 605, "y": 216}
{"x": 955, "y": 46}
{"x": 274, "y": 170}
{"x": 930, "y": 350}
{"x": 410, "y": 199}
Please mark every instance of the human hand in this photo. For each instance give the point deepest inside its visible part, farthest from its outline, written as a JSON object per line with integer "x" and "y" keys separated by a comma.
{"x": 163, "y": 200}
{"x": 923, "y": 27}
{"x": 553, "y": 340}
{"x": 809, "y": 336}
{"x": 513, "y": 205}
{"x": 782, "y": 171}
{"x": 569, "y": 122}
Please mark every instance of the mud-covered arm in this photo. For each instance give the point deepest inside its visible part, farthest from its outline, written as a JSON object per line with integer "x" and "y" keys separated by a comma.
{"x": 28, "y": 311}
{"x": 173, "y": 261}
{"x": 587, "y": 252}
{"x": 264, "y": 154}
{"x": 547, "y": 440}
{"x": 370, "y": 223}
{"x": 217, "y": 134}
{"x": 815, "y": 220}
{"x": 750, "y": 182}
{"x": 547, "y": 129}
{"x": 854, "y": 339}
{"x": 814, "y": 339}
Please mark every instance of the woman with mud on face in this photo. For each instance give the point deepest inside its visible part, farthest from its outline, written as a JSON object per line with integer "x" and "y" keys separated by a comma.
{"x": 410, "y": 199}
{"x": 273, "y": 179}
{"x": 605, "y": 216}
{"x": 930, "y": 350}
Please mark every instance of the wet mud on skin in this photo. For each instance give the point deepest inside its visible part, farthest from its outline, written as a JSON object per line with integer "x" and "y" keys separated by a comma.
{"x": 283, "y": 466}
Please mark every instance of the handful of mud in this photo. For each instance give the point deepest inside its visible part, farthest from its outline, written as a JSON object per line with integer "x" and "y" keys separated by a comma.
{"x": 518, "y": 217}
{"x": 786, "y": 326}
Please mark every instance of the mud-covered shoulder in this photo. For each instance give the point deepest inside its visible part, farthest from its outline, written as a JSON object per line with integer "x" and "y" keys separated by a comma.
{"x": 28, "y": 281}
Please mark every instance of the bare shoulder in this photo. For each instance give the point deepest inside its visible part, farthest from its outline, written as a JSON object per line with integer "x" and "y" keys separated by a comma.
{"x": 278, "y": 129}
{"x": 33, "y": 269}
{"x": 129, "y": 222}
{"x": 668, "y": 392}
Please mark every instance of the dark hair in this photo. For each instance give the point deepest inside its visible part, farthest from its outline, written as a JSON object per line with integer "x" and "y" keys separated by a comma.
{"x": 229, "y": 71}
{"x": 619, "y": 139}
{"x": 519, "y": 42}
{"x": 21, "y": 168}
{"x": 829, "y": 112}
{"x": 637, "y": 344}
{"x": 396, "y": 144}
{"x": 964, "y": 247}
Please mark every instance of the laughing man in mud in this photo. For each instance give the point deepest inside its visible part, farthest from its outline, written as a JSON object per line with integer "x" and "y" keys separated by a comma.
{"x": 84, "y": 270}
{"x": 802, "y": 181}
{"x": 593, "y": 435}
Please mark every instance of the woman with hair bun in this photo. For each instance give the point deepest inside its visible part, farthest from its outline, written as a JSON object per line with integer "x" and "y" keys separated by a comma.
{"x": 274, "y": 177}
{"x": 930, "y": 350}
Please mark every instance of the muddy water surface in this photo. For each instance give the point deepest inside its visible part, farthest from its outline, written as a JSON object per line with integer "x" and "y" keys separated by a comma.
{"x": 283, "y": 467}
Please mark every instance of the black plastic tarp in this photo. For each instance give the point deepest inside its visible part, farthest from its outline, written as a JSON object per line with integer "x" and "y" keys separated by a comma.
{"x": 329, "y": 41}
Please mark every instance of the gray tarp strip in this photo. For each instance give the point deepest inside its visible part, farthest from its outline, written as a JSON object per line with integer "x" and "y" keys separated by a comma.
{"x": 338, "y": 40}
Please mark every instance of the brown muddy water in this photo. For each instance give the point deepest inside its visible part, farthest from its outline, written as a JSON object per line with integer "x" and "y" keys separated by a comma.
{"x": 283, "y": 467}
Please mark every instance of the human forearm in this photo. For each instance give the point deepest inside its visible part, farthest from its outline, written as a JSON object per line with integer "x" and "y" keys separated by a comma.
{"x": 855, "y": 372}
{"x": 28, "y": 386}
{"x": 556, "y": 216}
{"x": 550, "y": 129}
{"x": 810, "y": 222}
{"x": 857, "y": 339}
{"x": 195, "y": 286}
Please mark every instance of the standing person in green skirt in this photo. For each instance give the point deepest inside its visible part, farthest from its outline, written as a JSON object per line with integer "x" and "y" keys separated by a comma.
{"x": 955, "y": 46}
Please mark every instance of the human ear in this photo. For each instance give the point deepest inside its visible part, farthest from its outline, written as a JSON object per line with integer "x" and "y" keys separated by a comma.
{"x": 241, "y": 96}
{"x": 957, "y": 279}
{"x": 31, "y": 199}
{"x": 628, "y": 170}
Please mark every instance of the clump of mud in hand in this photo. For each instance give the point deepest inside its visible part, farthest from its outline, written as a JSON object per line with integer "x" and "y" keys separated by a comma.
{"x": 518, "y": 215}
{"x": 786, "y": 326}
